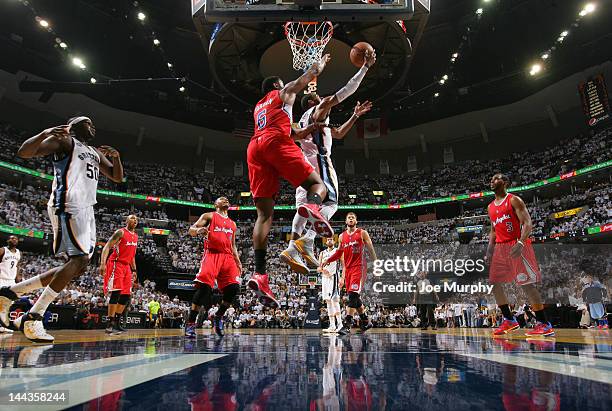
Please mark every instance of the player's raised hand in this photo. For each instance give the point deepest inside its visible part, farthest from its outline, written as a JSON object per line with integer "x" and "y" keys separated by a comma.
{"x": 369, "y": 59}
{"x": 108, "y": 151}
{"x": 320, "y": 65}
{"x": 58, "y": 131}
{"x": 362, "y": 108}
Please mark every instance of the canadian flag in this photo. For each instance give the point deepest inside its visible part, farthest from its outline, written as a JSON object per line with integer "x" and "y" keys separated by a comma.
{"x": 372, "y": 128}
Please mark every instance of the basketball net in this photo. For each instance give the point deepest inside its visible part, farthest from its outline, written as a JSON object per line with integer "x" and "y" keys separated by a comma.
{"x": 307, "y": 40}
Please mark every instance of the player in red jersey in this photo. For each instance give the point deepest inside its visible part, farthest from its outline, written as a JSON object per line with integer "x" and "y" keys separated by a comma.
{"x": 353, "y": 243}
{"x": 271, "y": 154}
{"x": 220, "y": 263}
{"x": 512, "y": 258}
{"x": 119, "y": 271}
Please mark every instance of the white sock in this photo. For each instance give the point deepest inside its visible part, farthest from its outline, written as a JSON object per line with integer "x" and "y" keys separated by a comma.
{"x": 27, "y": 286}
{"x": 46, "y": 298}
{"x": 298, "y": 225}
{"x": 331, "y": 321}
{"x": 338, "y": 320}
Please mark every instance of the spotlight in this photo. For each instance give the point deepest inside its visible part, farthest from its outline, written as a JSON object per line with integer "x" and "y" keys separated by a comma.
{"x": 545, "y": 56}
{"x": 479, "y": 11}
{"x": 436, "y": 94}
{"x": 156, "y": 42}
{"x": 63, "y": 45}
{"x": 487, "y": 1}
{"x": 43, "y": 23}
{"x": 564, "y": 33}
{"x": 169, "y": 65}
{"x": 182, "y": 89}
{"x": 453, "y": 60}
{"x": 93, "y": 80}
{"x": 78, "y": 62}
{"x": 445, "y": 77}
{"x": 535, "y": 69}
{"x": 588, "y": 9}
{"x": 141, "y": 16}
{"x": 442, "y": 81}
{"x": 455, "y": 55}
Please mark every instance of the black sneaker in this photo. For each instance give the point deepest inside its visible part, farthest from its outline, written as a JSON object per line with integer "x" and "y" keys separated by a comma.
{"x": 365, "y": 326}
{"x": 119, "y": 327}
{"x": 344, "y": 330}
{"x": 218, "y": 325}
{"x": 109, "y": 328}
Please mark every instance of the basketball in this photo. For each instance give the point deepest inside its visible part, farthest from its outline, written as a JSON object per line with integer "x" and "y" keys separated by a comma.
{"x": 358, "y": 53}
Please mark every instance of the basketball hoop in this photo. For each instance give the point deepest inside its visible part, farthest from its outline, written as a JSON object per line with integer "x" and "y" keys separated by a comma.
{"x": 308, "y": 40}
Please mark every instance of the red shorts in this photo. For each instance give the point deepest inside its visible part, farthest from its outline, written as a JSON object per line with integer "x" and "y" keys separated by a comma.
{"x": 218, "y": 266}
{"x": 522, "y": 270}
{"x": 118, "y": 277}
{"x": 272, "y": 157}
{"x": 354, "y": 278}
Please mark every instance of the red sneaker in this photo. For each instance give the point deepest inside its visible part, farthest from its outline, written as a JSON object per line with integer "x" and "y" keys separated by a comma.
{"x": 259, "y": 284}
{"x": 319, "y": 224}
{"x": 506, "y": 326}
{"x": 541, "y": 330}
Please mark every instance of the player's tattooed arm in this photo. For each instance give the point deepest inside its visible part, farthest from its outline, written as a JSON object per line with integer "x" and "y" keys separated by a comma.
{"x": 359, "y": 110}
{"x": 115, "y": 238}
{"x": 53, "y": 140}
{"x": 200, "y": 227}
{"x": 369, "y": 246}
{"x": 113, "y": 170}
{"x": 287, "y": 94}
{"x": 526, "y": 225}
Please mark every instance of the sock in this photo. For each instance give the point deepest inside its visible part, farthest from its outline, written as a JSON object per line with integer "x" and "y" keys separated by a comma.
{"x": 338, "y": 320}
{"x": 260, "y": 261}
{"x": 310, "y": 235}
{"x": 314, "y": 198}
{"x": 332, "y": 321}
{"x": 193, "y": 315}
{"x": 505, "y": 309}
{"x": 540, "y": 316}
{"x": 46, "y": 298}
{"x": 27, "y": 286}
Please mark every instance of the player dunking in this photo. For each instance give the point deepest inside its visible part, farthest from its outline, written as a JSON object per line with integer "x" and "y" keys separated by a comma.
{"x": 330, "y": 287}
{"x": 220, "y": 263}
{"x": 512, "y": 257}
{"x": 317, "y": 147}
{"x": 353, "y": 243}
{"x": 76, "y": 167}
{"x": 9, "y": 267}
{"x": 119, "y": 271}
{"x": 272, "y": 154}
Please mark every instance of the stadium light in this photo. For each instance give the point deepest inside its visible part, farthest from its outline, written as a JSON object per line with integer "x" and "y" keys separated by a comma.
{"x": 63, "y": 45}
{"x": 479, "y": 11}
{"x": 169, "y": 65}
{"x": 455, "y": 55}
{"x": 535, "y": 69}
{"x": 436, "y": 94}
{"x": 78, "y": 62}
{"x": 545, "y": 56}
{"x": 588, "y": 9}
{"x": 93, "y": 80}
{"x": 564, "y": 33}
{"x": 445, "y": 77}
{"x": 141, "y": 16}
{"x": 182, "y": 89}
{"x": 156, "y": 42}
{"x": 43, "y": 23}
{"x": 442, "y": 81}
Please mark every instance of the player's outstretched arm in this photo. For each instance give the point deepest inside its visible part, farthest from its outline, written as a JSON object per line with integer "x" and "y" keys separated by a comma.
{"x": 200, "y": 227}
{"x": 526, "y": 225}
{"x": 287, "y": 94}
{"x": 114, "y": 170}
{"x": 359, "y": 110}
{"x": 115, "y": 238}
{"x": 50, "y": 141}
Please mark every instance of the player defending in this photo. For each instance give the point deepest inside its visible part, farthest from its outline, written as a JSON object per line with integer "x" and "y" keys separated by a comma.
{"x": 330, "y": 287}
{"x": 76, "y": 167}
{"x": 317, "y": 147}
{"x": 119, "y": 271}
{"x": 272, "y": 154}
{"x": 512, "y": 257}
{"x": 9, "y": 267}
{"x": 220, "y": 263}
{"x": 353, "y": 241}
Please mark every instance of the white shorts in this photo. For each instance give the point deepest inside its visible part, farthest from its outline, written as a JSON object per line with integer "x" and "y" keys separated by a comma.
{"x": 5, "y": 282}
{"x": 329, "y": 288}
{"x": 324, "y": 167}
{"x": 74, "y": 233}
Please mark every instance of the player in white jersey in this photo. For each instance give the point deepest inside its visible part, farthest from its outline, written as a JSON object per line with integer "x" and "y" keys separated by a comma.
{"x": 9, "y": 266}
{"x": 76, "y": 167}
{"x": 330, "y": 287}
{"x": 317, "y": 147}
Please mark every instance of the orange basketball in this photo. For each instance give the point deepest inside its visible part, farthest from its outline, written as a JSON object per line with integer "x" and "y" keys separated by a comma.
{"x": 358, "y": 53}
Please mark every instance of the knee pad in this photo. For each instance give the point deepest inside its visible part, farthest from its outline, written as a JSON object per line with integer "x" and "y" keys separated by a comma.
{"x": 230, "y": 292}
{"x": 354, "y": 300}
{"x": 124, "y": 299}
{"x": 203, "y": 296}
{"x": 114, "y": 297}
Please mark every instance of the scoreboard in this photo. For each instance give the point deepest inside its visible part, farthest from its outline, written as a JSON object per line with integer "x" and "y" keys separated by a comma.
{"x": 595, "y": 102}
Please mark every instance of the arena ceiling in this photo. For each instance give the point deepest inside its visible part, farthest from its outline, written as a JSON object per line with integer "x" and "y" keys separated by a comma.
{"x": 496, "y": 50}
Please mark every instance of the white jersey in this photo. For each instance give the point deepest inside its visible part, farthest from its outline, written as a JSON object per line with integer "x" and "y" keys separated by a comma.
{"x": 332, "y": 267}
{"x": 318, "y": 142}
{"x": 8, "y": 266}
{"x": 76, "y": 178}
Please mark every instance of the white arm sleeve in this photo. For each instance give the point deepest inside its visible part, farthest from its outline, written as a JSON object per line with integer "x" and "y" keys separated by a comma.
{"x": 352, "y": 85}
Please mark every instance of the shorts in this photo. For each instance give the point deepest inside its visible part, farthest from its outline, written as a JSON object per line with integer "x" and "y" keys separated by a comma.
{"x": 220, "y": 267}
{"x": 522, "y": 270}
{"x": 325, "y": 168}
{"x": 329, "y": 288}
{"x": 353, "y": 279}
{"x": 118, "y": 277}
{"x": 269, "y": 158}
{"x": 74, "y": 233}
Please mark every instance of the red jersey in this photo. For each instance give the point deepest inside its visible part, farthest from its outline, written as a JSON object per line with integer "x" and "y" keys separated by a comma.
{"x": 272, "y": 116}
{"x": 125, "y": 250}
{"x": 505, "y": 221}
{"x": 221, "y": 232}
{"x": 359, "y": 395}
{"x": 352, "y": 248}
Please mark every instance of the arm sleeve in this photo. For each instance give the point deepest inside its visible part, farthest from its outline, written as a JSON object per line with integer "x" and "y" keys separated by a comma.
{"x": 352, "y": 85}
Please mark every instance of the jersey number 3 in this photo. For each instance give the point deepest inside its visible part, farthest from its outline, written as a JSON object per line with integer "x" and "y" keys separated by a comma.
{"x": 261, "y": 119}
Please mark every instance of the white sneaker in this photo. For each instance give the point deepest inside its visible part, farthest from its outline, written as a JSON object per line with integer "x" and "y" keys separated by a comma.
{"x": 32, "y": 326}
{"x": 306, "y": 248}
{"x": 330, "y": 330}
{"x": 293, "y": 258}
{"x": 6, "y": 300}
{"x": 5, "y": 330}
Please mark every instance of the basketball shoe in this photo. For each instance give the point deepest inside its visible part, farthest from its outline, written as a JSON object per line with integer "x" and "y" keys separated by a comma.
{"x": 6, "y": 300}
{"x": 292, "y": 257}
{"x": 319, "y": 223}
{"x": 541, "y": 330}
{"x": 218, "y": 326}
{"x": 305, "y": 246}
{"x": 506, "y": 326}
{"x": 32, "y": 326}
{"x": 190, "y": 330}
{"x": 259, "y": 284}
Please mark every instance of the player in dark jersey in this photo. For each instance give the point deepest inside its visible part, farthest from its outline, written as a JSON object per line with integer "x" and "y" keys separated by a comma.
{"x": 220, "y": 264}
{"x": 119, "y": 271}
{"x": 353, "y": 243}
{"x": 512, "y": 258}
{"x": 272, "y": 154}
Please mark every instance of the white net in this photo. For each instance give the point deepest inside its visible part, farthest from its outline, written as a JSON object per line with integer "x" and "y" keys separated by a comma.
{"x": 307, "y": 41}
